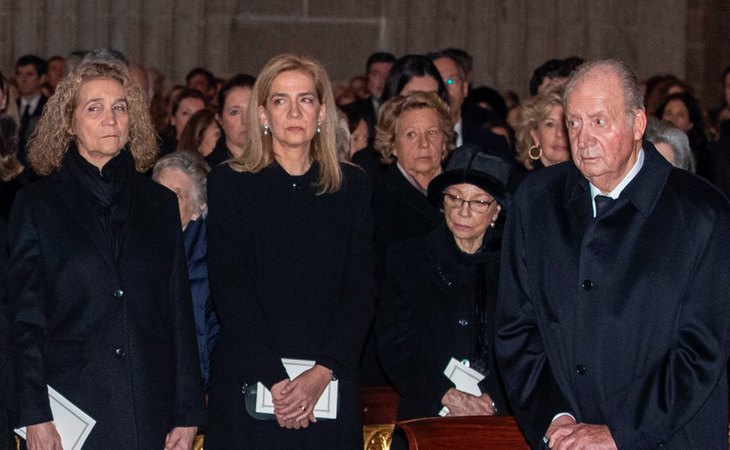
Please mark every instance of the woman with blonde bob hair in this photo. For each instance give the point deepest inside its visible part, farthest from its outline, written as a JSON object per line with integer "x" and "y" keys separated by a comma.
{"x": 260, "y": 151}
{"x": 290, "y": 269}
{"x": 97, "y": 281}
{"x": 542, "y": 139}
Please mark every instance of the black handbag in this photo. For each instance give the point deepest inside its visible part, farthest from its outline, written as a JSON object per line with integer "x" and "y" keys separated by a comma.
{"x": 250, "y": 396}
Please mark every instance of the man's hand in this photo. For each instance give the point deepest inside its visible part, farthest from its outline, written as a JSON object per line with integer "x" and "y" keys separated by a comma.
{"x": 565, "y": 434}
{"x": 181, "y": 438}
{"x": 43, "y": 436}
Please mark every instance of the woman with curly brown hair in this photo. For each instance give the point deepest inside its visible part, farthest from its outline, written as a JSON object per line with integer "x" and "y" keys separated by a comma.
{"x": 98, "y": 287}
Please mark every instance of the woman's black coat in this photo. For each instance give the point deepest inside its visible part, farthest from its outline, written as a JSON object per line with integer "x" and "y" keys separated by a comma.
{"x": 425, "y": 317}
{"x": 115, "y": 338}
{"x": 291, "y": 277}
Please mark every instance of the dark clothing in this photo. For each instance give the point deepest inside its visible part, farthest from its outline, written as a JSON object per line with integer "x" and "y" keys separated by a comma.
{"x": 427, "y": 316}
{"x": 620, "y": 320}
{"x": 27, "y": 127}
{"x": 7, "y": 377}
{"x": 401, "y": 213}
{"x": 489, "y": 142}
{"x": 168, "y": 143}
{"x": 291, "y": 277}
{"x": 114, "y": 337}
{"x": 8, "y": 190}
{"x": 719, "y": 166}
{"x": 370, "y": 161}
{"x": 206, "y": 321}
{"x": 519, "y": 176}
{"x": 220, "y": 153}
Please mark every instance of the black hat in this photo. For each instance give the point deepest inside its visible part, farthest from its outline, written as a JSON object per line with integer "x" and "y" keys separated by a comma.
{"x": 469, "y": 164}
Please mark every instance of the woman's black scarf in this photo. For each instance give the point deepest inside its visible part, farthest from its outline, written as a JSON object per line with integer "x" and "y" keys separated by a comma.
{"x": 110, "y": 190}
{"x": 479, "y": 359}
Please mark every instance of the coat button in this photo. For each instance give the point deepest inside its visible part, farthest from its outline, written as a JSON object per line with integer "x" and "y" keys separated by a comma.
{"x": 118, "y": 293}
{"x": 119, "y": 351}
{"x": 463, "y": 322}
{"x": 587, "y": 285}
{"x": 580, "y": 369}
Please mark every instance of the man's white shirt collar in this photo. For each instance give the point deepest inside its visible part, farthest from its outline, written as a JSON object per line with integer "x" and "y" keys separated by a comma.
{"x": 614, "y": 194}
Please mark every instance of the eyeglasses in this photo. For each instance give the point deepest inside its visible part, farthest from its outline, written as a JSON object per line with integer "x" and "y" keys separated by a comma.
{"x": 477, "y": 206}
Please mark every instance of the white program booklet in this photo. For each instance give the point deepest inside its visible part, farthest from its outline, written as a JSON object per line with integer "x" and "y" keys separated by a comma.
{"x": 73, "y": 425}
{"x": 326, "y": 407}
{"x": 464, "y": 378}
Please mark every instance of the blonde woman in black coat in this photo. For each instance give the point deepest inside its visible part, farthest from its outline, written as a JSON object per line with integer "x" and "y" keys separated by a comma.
{"x": 98, "y": 287}
{"x": 290, "y": 267}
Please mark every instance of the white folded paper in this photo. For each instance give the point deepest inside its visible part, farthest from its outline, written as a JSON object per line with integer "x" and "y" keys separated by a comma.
{"x": 326, "y": 407}
{"x": 72, "y": 424}
{"x": 464, "y": 378}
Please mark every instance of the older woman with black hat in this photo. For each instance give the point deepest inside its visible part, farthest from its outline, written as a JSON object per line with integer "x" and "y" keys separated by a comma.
{"x": 439, "y": 295}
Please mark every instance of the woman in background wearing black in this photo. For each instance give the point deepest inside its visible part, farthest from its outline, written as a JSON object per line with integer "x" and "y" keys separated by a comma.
{"x": 290, "y": 267}
{"x": 440, "y": 292}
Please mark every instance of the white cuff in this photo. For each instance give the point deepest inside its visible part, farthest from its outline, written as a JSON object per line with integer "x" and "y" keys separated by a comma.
{"x": 545, "y": 438}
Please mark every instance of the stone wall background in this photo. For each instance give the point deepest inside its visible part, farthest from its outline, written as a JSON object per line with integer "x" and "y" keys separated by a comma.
{"x": 508, "y": 38}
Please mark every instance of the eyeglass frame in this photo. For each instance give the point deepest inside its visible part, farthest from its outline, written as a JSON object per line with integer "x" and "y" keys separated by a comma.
{"x": 461, "y": 202}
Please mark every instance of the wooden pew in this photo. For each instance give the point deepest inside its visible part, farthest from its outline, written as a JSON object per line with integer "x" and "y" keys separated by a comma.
{"x": 464, "y": 433}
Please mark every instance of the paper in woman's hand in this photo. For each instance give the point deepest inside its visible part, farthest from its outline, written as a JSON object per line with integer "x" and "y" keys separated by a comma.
{"x": 72, "y": 424}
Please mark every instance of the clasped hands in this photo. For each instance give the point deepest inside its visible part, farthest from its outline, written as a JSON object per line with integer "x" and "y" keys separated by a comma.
{"x": 294, "y": 400}
{"x": 462, "y": 404}
{"x": 565, "y": 434}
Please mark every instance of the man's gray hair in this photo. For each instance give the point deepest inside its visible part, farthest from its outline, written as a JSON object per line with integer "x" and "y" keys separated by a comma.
{"x": 194, "y": 166}
{"x": 664, "y": 132}
{"x": 633, "y": 99}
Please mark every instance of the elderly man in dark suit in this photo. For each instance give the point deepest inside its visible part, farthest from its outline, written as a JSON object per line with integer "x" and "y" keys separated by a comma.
{"x": 612, "y": 318}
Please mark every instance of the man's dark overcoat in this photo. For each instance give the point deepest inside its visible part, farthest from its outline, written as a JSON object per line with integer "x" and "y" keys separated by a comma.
{"x": 620, "y": 320}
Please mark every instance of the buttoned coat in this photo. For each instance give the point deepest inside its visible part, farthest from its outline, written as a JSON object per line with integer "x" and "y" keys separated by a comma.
{"x": 620, "y": 320}
{"x": 291, "y": 277}
{"x": 115, "y": 338}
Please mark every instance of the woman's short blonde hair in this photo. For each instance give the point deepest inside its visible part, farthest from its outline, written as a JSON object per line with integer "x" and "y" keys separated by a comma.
{"x": 533, "y": 111}
{"x": 393, "y": 109}
{"x": 259, "y": 152}
{"x": 51, "y": 139}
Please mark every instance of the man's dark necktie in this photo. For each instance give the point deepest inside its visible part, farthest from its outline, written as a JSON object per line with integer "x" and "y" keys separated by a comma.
{"x": 24, "y": 120}
{"x": 603, "y": 202}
